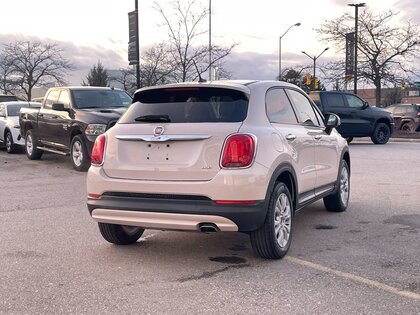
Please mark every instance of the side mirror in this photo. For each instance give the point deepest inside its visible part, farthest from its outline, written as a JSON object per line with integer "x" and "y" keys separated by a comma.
{"x": 331, "y": 121}
{"x": 365, "y": 105}
{"x": 2, "y": 114}
{"x": 58, "y": 107}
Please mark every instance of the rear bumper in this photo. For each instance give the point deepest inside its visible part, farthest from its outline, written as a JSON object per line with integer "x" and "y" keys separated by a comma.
{"x": 175, "y": 214}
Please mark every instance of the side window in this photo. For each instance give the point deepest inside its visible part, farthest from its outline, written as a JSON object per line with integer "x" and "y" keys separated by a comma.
{"x": 279, "y": 109}
{"x": 399, "y": 110}
{"x": 52, "y": 97}
{"x": 333, "y": 100}
{"x": 303, "y": 108}
{"x": 64, "y": 98}
{"x": 354, "y": 101}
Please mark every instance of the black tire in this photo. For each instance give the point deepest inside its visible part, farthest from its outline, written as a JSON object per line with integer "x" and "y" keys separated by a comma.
{"x": 381, "y": 133}
{"x": 339, "y": 200}
{"x": 120, "y": 234}
{"x": 408, "y": 127}
{"x": 10, "y": 146}
{"x": 349, "y": 139}
{"x": 266, "y": 241}
{"x": 30, "y": 146}
{"x": 79, "y": 155}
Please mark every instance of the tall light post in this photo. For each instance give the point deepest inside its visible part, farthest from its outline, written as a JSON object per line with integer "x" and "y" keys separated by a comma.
{"x": 297, "y": 24}
{"x": 314, "y": 59}
{"x": 210, "y": 67}
{"x": 356, "y": 20}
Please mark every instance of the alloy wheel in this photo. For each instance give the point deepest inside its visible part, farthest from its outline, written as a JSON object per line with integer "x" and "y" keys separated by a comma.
{"x": 344, "y": 185}
{"x": 77, "y": 153}
{"x": 282, "y": 220}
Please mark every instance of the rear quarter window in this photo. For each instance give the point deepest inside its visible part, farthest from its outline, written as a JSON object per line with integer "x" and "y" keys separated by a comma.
{"x": 188, "y": 104}
{"x": 333, "y": 100}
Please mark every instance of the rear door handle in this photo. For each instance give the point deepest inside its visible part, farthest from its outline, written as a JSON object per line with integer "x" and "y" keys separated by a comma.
{"x": 318, "y": 137}
{"x": 40, "y": 115}
{"x": 290, "y": 137}
{"x": 54, "y": 117}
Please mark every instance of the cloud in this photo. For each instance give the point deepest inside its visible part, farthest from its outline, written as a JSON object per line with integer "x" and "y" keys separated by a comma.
{"x": 256, "y": 66}
{"x": 409, "y": 8}
{"x": 82, "y": 57}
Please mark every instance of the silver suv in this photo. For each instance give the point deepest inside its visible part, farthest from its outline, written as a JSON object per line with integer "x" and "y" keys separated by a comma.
{"x": 219, "y": 156}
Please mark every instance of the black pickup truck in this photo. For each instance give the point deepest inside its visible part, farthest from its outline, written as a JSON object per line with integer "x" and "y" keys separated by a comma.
{"x": 358, "y": 119}
{"x": 69, "y": 121}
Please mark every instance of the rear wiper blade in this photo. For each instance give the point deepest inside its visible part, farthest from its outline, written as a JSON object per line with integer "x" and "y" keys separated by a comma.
{"x": 153, "y": 118}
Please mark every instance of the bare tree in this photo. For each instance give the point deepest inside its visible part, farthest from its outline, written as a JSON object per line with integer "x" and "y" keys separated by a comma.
{"x": 384, "y": 48}
{"x": 127, "y": 78}
{"x": 8, "y": 83}
{"x": 36, "y": 64}
{"x": 184, "y": 24}
{"x": 157, "y": 66}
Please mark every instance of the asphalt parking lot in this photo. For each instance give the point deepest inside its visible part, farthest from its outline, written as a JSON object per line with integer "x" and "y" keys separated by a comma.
{"x": 363, "y": 261}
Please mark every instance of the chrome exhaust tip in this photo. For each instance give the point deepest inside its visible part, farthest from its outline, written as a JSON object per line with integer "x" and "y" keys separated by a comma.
{"x": 208, "y": 227}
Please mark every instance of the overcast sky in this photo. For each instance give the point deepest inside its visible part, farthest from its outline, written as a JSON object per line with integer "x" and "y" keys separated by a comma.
{"x": 90, "y": 30}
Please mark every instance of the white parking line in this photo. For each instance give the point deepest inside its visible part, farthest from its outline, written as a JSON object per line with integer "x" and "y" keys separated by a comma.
{"x": 355, "y": 278}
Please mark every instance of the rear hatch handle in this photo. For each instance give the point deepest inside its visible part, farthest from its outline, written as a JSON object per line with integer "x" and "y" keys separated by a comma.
{"x": 161, "y": 138}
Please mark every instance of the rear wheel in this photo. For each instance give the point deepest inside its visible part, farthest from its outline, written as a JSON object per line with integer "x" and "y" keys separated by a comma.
{"x": 408, "y": 127}
{"x": 79, "y": 154}
{"x": 381, "y": 133}
{"x": 30, "y": 147}
{"x": 120, "y": 234}
{"x": 273, "y": 239}
{"x": 10, "y": 146}
{"x": 339, "y": 201}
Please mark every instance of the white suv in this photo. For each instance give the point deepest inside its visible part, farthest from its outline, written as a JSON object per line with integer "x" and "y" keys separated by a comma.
{"x": 9, "y": 124}
{"x": 218, "y": 156}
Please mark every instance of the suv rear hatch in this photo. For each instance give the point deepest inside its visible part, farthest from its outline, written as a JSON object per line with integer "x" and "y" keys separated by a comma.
{"x": 174, "y": 133}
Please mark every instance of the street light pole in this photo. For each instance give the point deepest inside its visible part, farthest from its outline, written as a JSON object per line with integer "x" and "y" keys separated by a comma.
{"x": 314, "y": 59}
{"x": 297, "y": 24}
{"x": 356, "y": 20}
{"x": 210, "y": 67}
{"x": 138, "y": 46}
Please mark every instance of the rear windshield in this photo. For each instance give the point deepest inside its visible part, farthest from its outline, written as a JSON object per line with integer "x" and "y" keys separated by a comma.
{"x": 180, "y": 105}
{"x": 100, "y": 98}
{"x": 13, "y": 110}
{"x": 8, "y": 98}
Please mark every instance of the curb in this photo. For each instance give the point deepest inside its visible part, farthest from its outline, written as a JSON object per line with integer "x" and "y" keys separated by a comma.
{"x": 390, "y": 140}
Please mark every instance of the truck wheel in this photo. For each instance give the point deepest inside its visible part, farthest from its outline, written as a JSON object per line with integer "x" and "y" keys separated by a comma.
{"x": 339, "y": 201}
{"x": 79, "y": 155}
{"x": 30, "y": 147}
{"x": 10, "y": 146}
{"x": 273, "y": 239}
{"x": 120, "y": 234}
{"x": 381, "y": 134}
{"x": 408, "y": 128}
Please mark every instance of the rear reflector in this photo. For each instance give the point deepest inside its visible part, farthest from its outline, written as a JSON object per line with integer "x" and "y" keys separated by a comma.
{"x": 235, "y": 202}
{"x": 94, "y": 196}
{"x": 97, "y": 156}
{"x": 238, "y": 151}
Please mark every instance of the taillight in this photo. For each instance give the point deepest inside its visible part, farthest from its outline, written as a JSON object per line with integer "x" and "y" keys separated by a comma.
{"x": 97, "y": 156}
{"x": 238, "y": 151}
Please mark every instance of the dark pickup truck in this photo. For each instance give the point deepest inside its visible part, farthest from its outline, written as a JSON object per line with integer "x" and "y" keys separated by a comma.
{"x": 358, "y": 119}
{"x": 69, "y": 121}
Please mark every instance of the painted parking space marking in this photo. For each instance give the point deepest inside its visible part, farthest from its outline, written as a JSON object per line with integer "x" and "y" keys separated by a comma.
{"x": 355, "y": 278}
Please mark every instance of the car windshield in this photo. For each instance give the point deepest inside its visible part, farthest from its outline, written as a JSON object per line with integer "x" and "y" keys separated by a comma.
{"x": 187, "y": 104}
{"x": 100, "y": 98}
{"x": 13, "y": 110}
